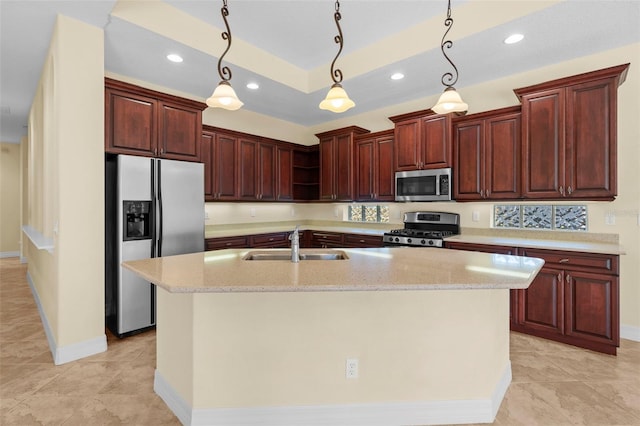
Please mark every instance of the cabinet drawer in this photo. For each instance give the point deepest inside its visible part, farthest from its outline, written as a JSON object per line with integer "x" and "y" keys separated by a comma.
{"x": 484, "y": 248}
{"x": 277, "y": 238}
{"x": 603, "y": 263}
{"x": 327, "y": 236}
{"x": 225, "y": 243}
{"x": 357, "y": 240}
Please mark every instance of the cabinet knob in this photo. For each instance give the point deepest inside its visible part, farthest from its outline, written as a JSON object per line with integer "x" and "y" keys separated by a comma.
{"x": 563, "y": 261}
{"x": 486, "y": 194}
{"x": 560, "y": 276}
{"x": 561, "y": 189}
{"x": 568, "y": 278}
{"x": 569, "y": 190}
{"x": 482, "y": 193}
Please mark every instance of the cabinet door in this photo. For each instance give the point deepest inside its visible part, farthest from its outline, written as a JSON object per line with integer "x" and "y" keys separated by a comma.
{"x": 180, "y": 130}
{"x": 284, "y": 174}
{"x": 130, "y": 124}
{"x": 248, "y": 171}
{"x": 591, "y": 140}
{"x": 407, "y": 145}
{"x": 206, "y": 157}
{"x": 502, "y": 157}
{"x": 435, "y": 143}
{"x": 266, "y": 172}
{"x": 327, "y": 169}
{"x": 385, "y": 184}
{"x": 468, "y": 182}
{"x": 543, "y": 141}
{"x": 344, "y": 167}
{"x": 592, "y": 307}
{"x": 541, "y": 306}
{"x": 225, "y": 168}
{"x": 365, "y": 170}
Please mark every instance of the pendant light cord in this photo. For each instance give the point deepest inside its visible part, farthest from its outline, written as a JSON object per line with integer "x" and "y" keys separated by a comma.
{"x": 448, "y": 78}
{"x": 336, "y": 74}
{"x": 225, "y": 72}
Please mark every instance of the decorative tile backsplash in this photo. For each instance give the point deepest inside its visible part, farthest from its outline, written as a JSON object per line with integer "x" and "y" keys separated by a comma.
{"x": 368, "y": 213}
{"x": 540, "y": 217}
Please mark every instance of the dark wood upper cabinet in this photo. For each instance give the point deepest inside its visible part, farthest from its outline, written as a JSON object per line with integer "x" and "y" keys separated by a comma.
{"x": 486, "y": 149}
{"x": 219, "y": 153}
{"x": 422, "y": 140}
{"x": 144, "y": 122}
{"x": 375, "y": 177}
{"x": 180, "y": 131}
{"x": 248, "y": 176}
{"x": 337, "y": 163}
{"x": 569, "y": 139}
{"x": 284, "y": 173}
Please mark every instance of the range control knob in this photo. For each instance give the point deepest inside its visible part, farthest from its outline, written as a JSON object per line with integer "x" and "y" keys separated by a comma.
{"x": 430, "y": 242}
{"x": 409, "y": 240}
{"x": 397, "y": 239}
{"x": 423, "y": 242}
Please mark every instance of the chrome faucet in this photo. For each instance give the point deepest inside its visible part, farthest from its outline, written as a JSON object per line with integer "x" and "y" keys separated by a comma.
{"x": 295, "y": 244}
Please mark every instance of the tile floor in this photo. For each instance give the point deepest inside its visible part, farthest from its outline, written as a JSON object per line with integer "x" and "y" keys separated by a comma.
{"x": 553, "y": 384}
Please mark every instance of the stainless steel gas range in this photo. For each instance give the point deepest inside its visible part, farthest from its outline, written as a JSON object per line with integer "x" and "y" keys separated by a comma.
{"x": 424, "y": 229}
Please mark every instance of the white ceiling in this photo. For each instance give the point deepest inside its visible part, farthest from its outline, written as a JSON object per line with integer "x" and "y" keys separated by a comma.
{"x": 300, "y": 32}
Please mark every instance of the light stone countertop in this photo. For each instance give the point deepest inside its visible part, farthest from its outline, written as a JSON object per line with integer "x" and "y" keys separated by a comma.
{"x": 547, "y": 244}
{"x": 219, "y": 231}
{"x": 371, "y": 269}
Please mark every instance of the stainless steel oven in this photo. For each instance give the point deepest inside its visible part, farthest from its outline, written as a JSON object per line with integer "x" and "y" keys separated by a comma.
{"x": 423, "y": 229}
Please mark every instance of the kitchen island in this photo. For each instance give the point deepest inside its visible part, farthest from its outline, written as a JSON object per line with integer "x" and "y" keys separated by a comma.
{"x": 267, "y": 341}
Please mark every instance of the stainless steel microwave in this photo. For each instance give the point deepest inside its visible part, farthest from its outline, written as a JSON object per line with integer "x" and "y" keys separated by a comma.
{"x": 424, "y": 185}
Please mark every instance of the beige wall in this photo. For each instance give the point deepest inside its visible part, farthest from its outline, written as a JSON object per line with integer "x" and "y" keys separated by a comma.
{"x": 65, "y": 181}
{"x": 305, "y": 338}
{"x": 495, "y": 94}
{"x": 9, "y": 199}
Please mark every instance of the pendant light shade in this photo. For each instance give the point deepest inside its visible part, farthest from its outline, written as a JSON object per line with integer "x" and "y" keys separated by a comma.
{"x": 224, "y": 96}
{"x": 337, "y": 99}
{"x": 450, "y": 100}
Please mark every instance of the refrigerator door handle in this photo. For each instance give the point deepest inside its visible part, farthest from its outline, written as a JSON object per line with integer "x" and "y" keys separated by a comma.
{"x": 160, "y": 214}
{"x": 154, "y": 205}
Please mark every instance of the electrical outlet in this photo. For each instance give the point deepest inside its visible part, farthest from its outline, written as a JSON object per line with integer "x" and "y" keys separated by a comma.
{"x": 352, "y": 368}
{"x": 206, "y": 215}
{"x": 252, "y": 212}
{"x": 610, "y": 218}
{"x": 475, "y": 216}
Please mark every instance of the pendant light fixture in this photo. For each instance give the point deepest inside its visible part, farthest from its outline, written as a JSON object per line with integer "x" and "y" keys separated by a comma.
{"x": 337, "y": 99}
{"x": 224, "y": 96}
{"x": 450, "y": 100}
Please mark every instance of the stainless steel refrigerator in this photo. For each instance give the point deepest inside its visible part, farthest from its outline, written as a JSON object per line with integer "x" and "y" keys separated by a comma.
{"x": 153, "y": 208}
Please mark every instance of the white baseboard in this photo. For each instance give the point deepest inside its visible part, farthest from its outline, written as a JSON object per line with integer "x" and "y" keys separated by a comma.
{"x": 630, "y": 332}
{"x": 372, "y": 414}
{"x": 4, "y": 254}
{"x": 75, "y": 351}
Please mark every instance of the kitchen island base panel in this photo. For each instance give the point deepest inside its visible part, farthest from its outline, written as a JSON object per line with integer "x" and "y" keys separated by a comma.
{"x": 424, "y": 356}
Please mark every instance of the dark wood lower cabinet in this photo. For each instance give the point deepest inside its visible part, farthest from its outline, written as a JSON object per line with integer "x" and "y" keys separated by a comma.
{"x": 308, "y": 239}
{"x": 574, "y": 299}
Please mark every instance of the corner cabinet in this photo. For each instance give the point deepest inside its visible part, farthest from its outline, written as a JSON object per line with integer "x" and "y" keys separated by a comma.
{"x": 422, "y": 140}
{"x": 574, "y": 298}
{"x": 144, "y": 122}
{"x": 375, "y": 177}
{"x": 336, "y": 163}
{"x": 569, "y": 136}
{"x": 486, "y": 156}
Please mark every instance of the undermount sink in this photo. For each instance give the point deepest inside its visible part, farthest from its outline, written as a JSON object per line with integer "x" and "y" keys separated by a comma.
{"x": 286, "y": 255}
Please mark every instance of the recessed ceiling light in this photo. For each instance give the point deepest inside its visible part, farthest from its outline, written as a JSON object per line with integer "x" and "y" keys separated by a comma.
{"x": 513, "y": 38}
{"x": 253, "y": 86}
{"x": 397, "y": 76}
{"x": 174, "y": 58}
